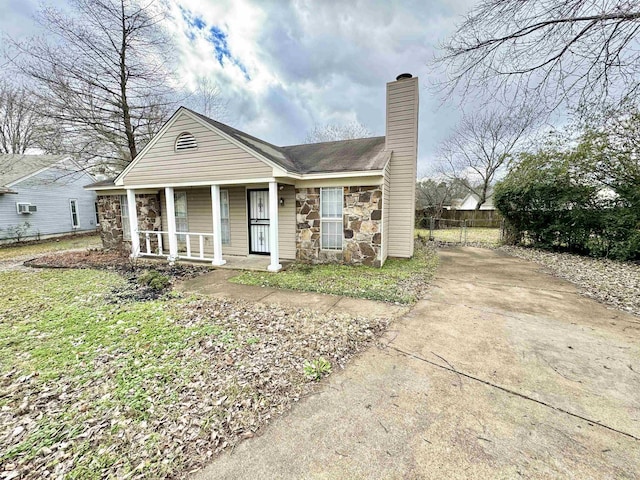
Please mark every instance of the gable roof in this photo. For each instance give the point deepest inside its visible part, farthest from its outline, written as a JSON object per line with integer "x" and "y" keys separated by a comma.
{"x": 474, "y": 199}
{"x": 357, "y": 155}
{"x": 15, "y": 167}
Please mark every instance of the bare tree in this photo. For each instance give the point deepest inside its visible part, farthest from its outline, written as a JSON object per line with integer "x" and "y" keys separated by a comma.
{"x": 481, "y": 146}
{"x": 210, "y": 101}
{"x": 547, "y": 50}
{"x": 434, "y": 194}
{"x": 102, "y": 73}
{"x": 19, "y": 123}
{"x": 334, "y": 132}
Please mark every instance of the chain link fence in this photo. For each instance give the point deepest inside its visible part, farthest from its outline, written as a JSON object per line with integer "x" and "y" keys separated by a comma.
{"x": 461, "y": 232}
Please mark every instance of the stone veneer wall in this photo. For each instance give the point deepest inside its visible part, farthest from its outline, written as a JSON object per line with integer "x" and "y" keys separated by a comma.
{"x": 362, "y": 222}
{"x": 110, "y": 215}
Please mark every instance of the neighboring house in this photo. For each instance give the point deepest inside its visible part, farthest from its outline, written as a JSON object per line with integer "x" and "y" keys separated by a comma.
{"x": 202, "y": 190}
{"x": 43, "y": 195}
{"x": 470, "y": 202}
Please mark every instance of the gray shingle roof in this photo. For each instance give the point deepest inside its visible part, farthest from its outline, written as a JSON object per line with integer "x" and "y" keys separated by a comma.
{"x": 13, "y": 167}
{"x": 362, "y": 154}
{"x": 102, "y": 183}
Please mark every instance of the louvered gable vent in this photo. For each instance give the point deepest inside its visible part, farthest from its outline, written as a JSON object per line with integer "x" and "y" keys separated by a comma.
{"x": 186, "y": 141}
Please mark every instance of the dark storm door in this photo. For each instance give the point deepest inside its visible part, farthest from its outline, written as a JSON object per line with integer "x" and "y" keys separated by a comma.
{"x": 259, "y": 221}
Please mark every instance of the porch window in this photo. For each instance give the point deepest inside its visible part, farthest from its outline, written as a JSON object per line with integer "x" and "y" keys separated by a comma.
{"x": 182, "y": 223}
{"x": 224, "y": 217}
{"x": 331, "y": 232}
{"x": 75, "y": 222}
{"x": 124, "y": 216}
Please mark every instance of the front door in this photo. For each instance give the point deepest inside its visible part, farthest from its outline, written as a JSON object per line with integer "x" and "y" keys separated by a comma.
{"x": 259, "y": 221}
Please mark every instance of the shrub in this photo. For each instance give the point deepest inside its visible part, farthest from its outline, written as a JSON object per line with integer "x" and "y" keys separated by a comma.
{"x": 154, "y": 279}
{"x": 550, "y": 200}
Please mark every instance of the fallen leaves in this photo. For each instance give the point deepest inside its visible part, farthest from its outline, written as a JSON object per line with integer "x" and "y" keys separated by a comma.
{"x": 614, "y": 283}
{"x": 149, "y": 389}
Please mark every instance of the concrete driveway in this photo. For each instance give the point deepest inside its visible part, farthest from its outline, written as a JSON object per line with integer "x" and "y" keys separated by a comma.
{"x": 503, "y": 372}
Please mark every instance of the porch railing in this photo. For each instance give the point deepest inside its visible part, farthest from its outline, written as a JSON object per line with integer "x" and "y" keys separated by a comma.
{"x": 148, "y": 237}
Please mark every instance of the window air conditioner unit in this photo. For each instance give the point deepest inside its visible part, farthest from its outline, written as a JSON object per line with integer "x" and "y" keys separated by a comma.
{"x": 26, "y": 208}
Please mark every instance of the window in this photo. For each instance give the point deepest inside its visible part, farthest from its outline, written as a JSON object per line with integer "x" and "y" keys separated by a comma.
{"x": 124, "y": 215}
{"x": 180, "y": 205}
{"x": 186, "y": 141}
{"x": 224, "y": 217}
{"x": 75, "y": 222}
{"x": 331, "y": 233}
{"x": 22, "y": 207}
{"x": 97, "y": 214}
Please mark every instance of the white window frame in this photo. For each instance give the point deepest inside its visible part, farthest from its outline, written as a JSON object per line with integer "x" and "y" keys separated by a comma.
{"x": 184, "y": 221}
{"x": 74, "y": 202}
{"x": 124, "y": 218}
{"x": 97, "y": 214}
{"x": 332, "y": 219}
{"x": 225, "y": 234}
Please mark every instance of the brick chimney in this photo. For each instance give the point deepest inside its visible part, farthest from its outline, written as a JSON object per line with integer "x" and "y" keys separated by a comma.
{"x": 402, "y": 141}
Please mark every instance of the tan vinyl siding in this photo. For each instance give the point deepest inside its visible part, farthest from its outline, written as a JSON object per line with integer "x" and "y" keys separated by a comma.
{"x": 402, "y": 139}
{"x": 385, "y": 216}
{"x": 287, "y": 223}
{"x": 200, "y": 219}
{"x": 214, "y": 159}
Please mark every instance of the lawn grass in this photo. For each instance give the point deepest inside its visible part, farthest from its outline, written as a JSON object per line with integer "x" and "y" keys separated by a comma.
{"x": 52, "y": 245}
{"x": 57, "y": 327}
{"x": 474, "y": 235}
{"x": 399, "y": 280}
{"x": 95, "y": 387}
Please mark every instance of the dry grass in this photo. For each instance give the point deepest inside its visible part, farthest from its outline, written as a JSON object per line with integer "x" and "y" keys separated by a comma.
{"x": 475, "y": 235}
{"x": 27, "y": 250}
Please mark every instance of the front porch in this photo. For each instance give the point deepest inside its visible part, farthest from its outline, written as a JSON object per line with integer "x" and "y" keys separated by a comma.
{"x": 256, "y": 263}
{"x": 224, "y": 225}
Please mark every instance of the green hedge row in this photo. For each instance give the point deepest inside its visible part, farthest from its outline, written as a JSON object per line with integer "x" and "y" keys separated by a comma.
{"x": 553, "y": 200}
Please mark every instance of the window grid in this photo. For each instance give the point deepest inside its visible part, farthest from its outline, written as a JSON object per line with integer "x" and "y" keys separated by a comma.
{"x": 331, "y": 228}
{"x": 75, "y": 222}
{"x": 124, "y": 216}
{"x": 224, "y": 217}
{"x": 180, "y": 207}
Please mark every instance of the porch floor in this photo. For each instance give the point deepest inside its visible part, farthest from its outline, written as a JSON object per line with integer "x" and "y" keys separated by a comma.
{"x": 238, "y": 262}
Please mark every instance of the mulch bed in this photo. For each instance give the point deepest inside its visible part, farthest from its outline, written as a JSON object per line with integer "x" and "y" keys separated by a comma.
{"x": 125, "y": 266}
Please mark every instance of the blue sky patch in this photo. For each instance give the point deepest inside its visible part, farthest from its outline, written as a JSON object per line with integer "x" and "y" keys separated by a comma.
{"x": 193, "y": 21}
{"x": 218, "y": 39}
{"x": 215, "y": 36}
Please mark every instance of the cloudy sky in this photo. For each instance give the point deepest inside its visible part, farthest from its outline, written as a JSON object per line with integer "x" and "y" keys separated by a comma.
{"x": 285, "y": 66}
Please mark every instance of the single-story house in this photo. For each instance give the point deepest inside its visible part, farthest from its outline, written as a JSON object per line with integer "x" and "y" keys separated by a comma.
{"x": 43, "y": 196}
{"x": 202, "y": 190}
{"x": 470, "y": 202}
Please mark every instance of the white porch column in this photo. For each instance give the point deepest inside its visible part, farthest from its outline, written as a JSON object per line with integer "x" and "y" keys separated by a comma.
{"x": 274, "y": 266}
{"x": 217, "y": 226}
{"x": 133, "y": 222}
{"x": 171, "y": 224}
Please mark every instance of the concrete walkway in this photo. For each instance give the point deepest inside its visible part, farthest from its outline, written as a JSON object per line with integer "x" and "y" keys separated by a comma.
{"x": 503, "y": 372}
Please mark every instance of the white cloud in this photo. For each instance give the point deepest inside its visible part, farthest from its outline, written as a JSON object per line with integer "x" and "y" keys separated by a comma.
{"x": 287, "y": 66}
